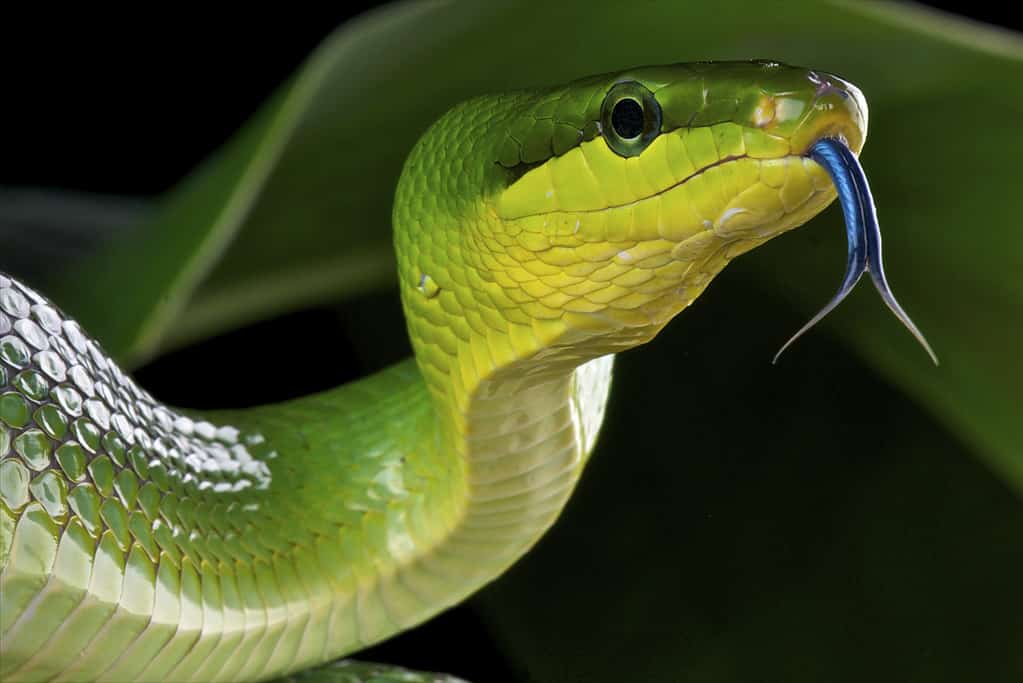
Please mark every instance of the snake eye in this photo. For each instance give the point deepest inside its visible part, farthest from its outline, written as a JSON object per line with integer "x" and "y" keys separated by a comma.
{"x": 630, "y": 118}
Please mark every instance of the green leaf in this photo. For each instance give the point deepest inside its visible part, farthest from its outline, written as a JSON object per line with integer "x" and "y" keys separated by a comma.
{"x": 296, "y": 209}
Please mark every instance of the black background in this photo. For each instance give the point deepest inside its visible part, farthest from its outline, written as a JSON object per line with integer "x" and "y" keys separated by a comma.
{"x": 69, "y": 119}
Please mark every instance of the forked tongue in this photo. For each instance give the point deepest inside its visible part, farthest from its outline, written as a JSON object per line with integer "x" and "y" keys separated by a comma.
{"x": 862, "y": 233}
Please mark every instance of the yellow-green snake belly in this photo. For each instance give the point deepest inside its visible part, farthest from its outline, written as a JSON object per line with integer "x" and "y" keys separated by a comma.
{"x": 537, "y": 234}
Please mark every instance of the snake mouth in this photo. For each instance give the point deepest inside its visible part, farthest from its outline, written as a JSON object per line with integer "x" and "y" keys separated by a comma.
{"x": 544, "y": 191}
{"x": 674, "y": 186}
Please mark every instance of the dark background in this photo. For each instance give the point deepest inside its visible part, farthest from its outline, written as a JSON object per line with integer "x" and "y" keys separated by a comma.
{"x": 128, "y": 105}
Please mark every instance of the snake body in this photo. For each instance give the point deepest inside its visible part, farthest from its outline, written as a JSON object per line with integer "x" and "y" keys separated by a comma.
{"x": 537, "y": 234}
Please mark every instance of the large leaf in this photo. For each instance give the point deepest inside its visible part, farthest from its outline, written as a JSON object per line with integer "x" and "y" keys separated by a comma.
{"x": 296, "y": 209}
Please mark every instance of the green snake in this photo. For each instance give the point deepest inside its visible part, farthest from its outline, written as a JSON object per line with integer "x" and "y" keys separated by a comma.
{"x": 537, "y": 234}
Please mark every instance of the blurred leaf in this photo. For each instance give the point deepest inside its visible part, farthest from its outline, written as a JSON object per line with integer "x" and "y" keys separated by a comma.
{"x": 296, "y": 209}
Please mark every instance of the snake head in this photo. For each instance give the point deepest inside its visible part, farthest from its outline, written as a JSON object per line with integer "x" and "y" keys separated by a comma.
{"x": 580, "y": 219}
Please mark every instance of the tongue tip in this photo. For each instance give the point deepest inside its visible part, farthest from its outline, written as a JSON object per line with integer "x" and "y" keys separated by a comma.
{"x": 862, "y": 233}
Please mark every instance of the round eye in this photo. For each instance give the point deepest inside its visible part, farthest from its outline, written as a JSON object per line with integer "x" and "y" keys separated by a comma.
{"x": 630, "y": 118}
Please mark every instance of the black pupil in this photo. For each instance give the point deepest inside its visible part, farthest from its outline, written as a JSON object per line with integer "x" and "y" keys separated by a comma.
{"x": 627, "y": 118}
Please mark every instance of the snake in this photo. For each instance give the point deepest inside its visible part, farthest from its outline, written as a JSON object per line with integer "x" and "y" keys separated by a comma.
{"x": 538, "y": 233}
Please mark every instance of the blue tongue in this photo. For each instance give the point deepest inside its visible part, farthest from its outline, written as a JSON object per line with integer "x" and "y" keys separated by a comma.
{"x": 862, "y": 233}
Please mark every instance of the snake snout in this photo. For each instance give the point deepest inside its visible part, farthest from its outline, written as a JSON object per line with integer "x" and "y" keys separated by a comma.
{"x": 837, "y": 110}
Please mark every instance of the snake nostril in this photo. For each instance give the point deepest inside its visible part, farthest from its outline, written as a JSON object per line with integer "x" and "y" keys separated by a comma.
{"x": 825, "y": 86}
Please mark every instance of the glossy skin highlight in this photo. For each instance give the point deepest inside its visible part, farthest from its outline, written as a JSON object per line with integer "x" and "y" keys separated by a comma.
{"x": 142, "y": 544}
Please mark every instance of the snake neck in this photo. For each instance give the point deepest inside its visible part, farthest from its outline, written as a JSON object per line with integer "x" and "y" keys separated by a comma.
{"x": 521, "y": 439}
